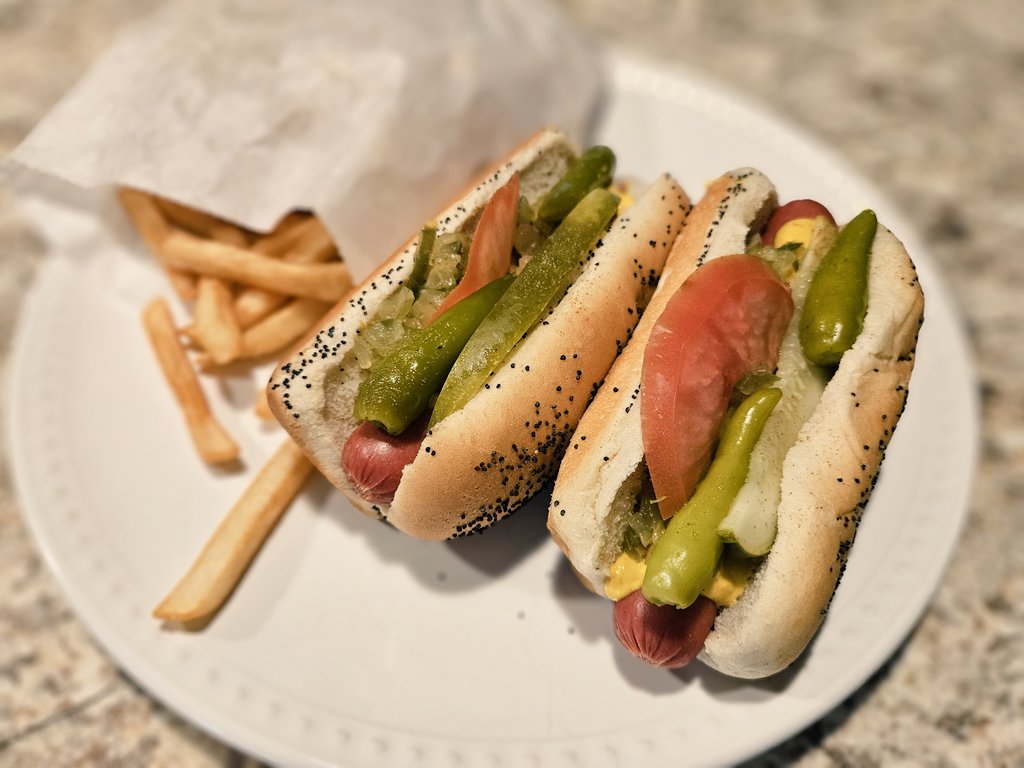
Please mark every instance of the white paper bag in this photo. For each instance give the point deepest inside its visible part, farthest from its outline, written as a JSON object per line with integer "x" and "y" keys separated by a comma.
{"x": 373, "y": 114}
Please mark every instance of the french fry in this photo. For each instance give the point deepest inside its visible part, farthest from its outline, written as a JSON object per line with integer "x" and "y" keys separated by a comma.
{"x": 153, "y": 228}
{"x": 223, "y": 232}
{"x": 253, "y": 304}
{"x": 280, "y": 329}
{"x": 262, "y": 406}
{"x": 214, "y": 325}
{"x": 313, "y": 246}
{"x": 273, "y": 333}
{"x": 288, "y": 231}
{"x": 205, "y": 256}
{"x": 146, "y": 216}
{"x": 327, "y": 282}
{"x": 229, "y": 551}
{"x": 212, "y": 441}
{"x": 187, "y": 333}
{"x": 199, "y": 222}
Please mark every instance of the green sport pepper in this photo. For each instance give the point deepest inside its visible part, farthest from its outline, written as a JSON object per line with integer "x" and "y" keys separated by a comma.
{"x": 593, "y": 169}
{"x": 399, "y": 388}
{"x": 683, "y": 561}
{"x": 833, "y": 314}
{"x": 541, "y": 283}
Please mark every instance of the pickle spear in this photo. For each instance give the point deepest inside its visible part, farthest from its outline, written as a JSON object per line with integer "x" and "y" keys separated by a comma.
{"x": 398, "y": 388}
{"x": 541, "y": 283}
{"x": 593, "y": 169}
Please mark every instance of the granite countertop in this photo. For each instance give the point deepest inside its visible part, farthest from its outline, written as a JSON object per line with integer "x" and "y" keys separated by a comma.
{"x": 923, "y": 99}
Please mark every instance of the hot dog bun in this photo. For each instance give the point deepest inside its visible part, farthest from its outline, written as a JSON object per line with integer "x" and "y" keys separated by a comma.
{"x": 828, "y": 474}
{"x": 827, "y": 480}
{"x": 484, "y": 460}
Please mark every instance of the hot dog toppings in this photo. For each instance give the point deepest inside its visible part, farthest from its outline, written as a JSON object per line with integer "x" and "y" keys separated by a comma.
{"x": 400, "y": 387}
{"x": 445, "y": 331}
{"x": 786, "y": 237}
{"x": 793, "y": 222}
{"x": 751, "y": 522}
{"x": 838, "y": 297}
{"x": 540, "y": 285}
{"x": 446, "y": 269}
{"x": 490, "y": 254}
{"x": 437, "y": 268}
{"x": 593, "y": 170}
{"x": 723, "y": 323}
{"x": 702, "y": 346}
{"x": 683, "y": 562}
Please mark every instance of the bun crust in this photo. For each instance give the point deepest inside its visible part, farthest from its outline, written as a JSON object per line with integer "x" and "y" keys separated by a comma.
{"x": 599, "y": 476}
{"x": 485, "y": 460}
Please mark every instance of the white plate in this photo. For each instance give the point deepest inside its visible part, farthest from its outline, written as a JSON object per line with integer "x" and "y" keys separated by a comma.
{"x": 350, "y": 644}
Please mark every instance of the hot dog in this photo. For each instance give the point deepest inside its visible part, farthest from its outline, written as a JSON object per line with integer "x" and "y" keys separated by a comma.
{"x": 442, "y": 393}
{"x": 714, "y": 486}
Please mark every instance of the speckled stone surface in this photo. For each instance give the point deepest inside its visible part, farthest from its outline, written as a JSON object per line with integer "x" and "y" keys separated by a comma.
{"x": 924, "y": 99}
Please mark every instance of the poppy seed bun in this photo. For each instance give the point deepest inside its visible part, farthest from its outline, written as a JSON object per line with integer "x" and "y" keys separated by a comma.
{"x": 486, "y": 459}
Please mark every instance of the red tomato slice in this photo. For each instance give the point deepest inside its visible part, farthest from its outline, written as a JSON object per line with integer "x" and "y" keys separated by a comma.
{"x": 725, "y": 321}
{"x": 490, "y": 253}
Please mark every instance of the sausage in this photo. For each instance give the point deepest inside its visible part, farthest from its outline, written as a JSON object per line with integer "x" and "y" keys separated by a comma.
{"x": 373, "y": 460}
{"x": 663, "y": 635}
{"x": 793, "y": 211}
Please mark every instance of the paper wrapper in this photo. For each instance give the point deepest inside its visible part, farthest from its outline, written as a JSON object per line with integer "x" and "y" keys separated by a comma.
{"x": 374, "y": 115}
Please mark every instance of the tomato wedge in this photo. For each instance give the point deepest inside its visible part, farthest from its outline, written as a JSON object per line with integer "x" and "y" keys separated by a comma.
{"x": 725, "y": 321}
{"x": 490, "y": 254}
